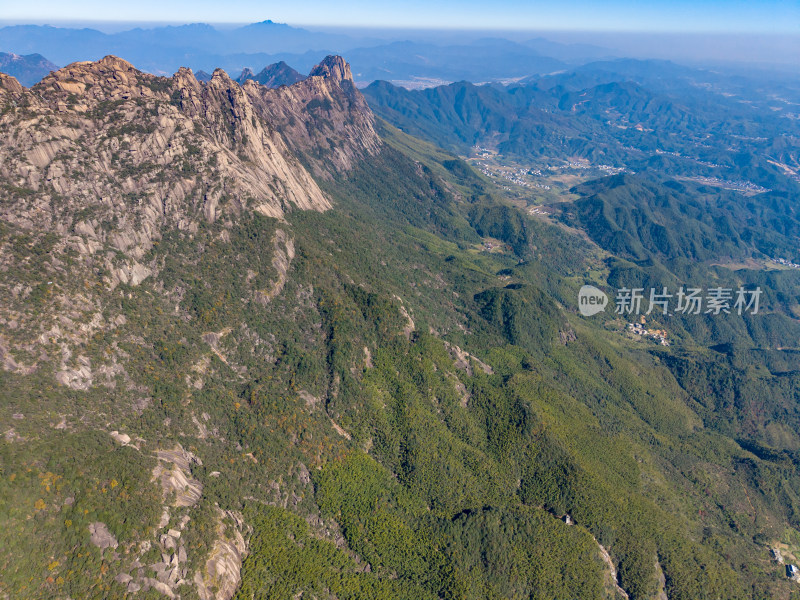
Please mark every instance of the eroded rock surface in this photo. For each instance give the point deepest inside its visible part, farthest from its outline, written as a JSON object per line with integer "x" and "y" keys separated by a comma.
{"x": 99, "y": 162}
{"x": 101, "y": 536}
{"x": 221, "y": 576}
{"x": 174, "y": 472}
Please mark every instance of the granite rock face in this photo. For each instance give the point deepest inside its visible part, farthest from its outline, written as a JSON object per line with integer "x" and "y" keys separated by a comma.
{"x": 170, "y": 152}
{"x": 167, "y": 150}
{"x": 104, "y": 161}
{"x": 323, "y": 118}
{"x": 101, "y": 536}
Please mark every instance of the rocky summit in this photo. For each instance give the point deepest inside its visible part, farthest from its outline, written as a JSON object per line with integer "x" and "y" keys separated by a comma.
{"x": 149, "y": 152}
{"x": 106, "y": 159}
{"x": 272, "y": 76}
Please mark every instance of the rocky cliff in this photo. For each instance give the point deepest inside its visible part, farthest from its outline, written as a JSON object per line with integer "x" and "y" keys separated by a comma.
{"x": 95, "y": 134}
{"x": 112, "y": 154}
{"x": 324, "y": 118}
{"x": 102, "y": 160}
{"x": 102, "y": 167}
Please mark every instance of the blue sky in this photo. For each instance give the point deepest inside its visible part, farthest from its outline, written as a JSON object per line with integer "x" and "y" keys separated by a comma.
{"x": 779, "y": 16}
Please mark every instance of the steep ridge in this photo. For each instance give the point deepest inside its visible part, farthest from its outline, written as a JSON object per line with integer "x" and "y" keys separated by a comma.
{"x": 103, "y": 168}
{"x": 324, "y": 118}
{"x": 138, "y": 123}
{"x": 106, "y": 160}
{"x": 97, "y": 133}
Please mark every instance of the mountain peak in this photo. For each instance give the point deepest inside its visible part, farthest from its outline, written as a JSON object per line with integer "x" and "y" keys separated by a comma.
{"x": 272, "y": 76}
{"x": 343, "y": 132}
{"x": 247, "y": 73}
{"x": 185, "y": 79}
{"x": 107, "y": 69}
{"x": 115, "y": 63}
{"x": 10, "y": 84}
{"x": 110, "y": 78}
{"x": 333, "y": 67}
{"x": 220, "y": 76}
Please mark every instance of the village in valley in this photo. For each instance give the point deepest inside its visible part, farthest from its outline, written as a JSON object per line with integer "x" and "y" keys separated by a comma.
{"x": 546, "y": 181}
{"x": 785, "y": 262}
{"x": 639, "y": 329}
{"x": 550, "y": 180}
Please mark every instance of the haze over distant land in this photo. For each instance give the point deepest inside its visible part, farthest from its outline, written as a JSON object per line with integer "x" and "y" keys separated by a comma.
{"x": 424, "y": 56}
{"x": 767, "y": 16}
{"x": 706, "y": 47}
{"x": 702, "y": 30}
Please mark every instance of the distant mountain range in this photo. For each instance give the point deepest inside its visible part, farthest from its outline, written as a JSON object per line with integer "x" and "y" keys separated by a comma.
{"x": 163, "y": 50}
{"x": 618, "y": 112}
{"x": 646, "y": 117}
{"x": 158, "y": 47}
{"x": 27, "y": 69}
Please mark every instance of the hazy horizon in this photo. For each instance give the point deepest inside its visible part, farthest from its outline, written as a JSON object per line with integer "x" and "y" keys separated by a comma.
{"x": 713, "y": 47}
{"x": 771, "y": 16}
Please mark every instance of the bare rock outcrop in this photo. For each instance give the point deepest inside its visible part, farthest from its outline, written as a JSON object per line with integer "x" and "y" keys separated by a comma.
{"x": 464, "y": 360}
{"x": 174, "y": 472}
{"x": 281, "y": 260}
{"x": 222, "y": 573}
{"x": 10, "y": 87}
{"x": 105, "y": 161}
{"x": 101, "y": 536}
{"x": 147, "y": 152}
{"x": 323, "y": 118}
{"x": 144, "y": 151}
